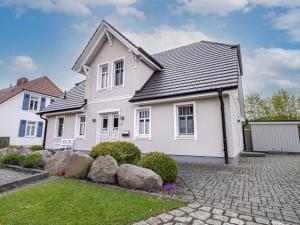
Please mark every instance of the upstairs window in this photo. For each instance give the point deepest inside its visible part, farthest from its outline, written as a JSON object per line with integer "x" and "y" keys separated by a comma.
{"x": 103, "y": 76}
{"x": 33, "y": 103}
{"x": 119, "y": 72}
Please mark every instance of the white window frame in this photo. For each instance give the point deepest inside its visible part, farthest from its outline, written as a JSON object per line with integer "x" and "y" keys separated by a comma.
{"x": 136, "y": 123}
{"x": 177, "y": 136}
{"x": 35, "y": 129}
{"x": 38, "y": 103}
{"x": 113, "y": 72}
{"x": 99, "y": 76}
{"x": 77, "y": 126}
{"x": 56, "y": 126}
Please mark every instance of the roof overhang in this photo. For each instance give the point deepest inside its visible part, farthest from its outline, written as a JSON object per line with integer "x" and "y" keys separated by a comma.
{"x": 102, "y": 33}
{"x": 80, "y": 109}
{"x": 275, "y": 122}
{"x": 186, "y": 97}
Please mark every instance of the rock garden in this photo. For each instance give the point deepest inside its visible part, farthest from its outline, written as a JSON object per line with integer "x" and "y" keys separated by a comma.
{"x": 114, "y": 163}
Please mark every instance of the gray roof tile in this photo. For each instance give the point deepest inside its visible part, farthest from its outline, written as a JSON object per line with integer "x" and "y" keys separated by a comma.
{"x": 74, "y": 100}
{"x": 195, "y": 68}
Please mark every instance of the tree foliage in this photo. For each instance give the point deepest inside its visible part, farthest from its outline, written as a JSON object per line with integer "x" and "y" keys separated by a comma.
{"x": 282, "y": 105}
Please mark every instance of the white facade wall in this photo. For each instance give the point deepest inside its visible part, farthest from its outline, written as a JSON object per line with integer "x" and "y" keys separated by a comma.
{"x": 10, "y": 115}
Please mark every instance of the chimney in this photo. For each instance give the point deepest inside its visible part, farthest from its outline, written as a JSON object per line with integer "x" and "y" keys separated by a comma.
{"x": 21, "y": 81}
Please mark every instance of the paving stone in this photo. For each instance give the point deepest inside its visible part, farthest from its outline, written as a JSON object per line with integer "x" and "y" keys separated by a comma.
{"x": 193, "y": 205}
{"x": 276, "y": 223}
{"x": 153, "y": 221}
{"x": 201, "y": 215}
{"x": 187, "y": 209}
{"x": 245, "y": 217}
{"x": 231, "y": 214}
{"x": 141, "y": 223}
{"x": 164, "y": 217}
{"x": 237, "y": 221}
{"x": 213, "y": 222}
{"x": 205, "y": 208}
{"x": 177, "y": 212}
{"x": 220, "y": 217}
{"x": 198, "y": 222}
{"x": 183, "y": 219}
{"x": 252, "y": 223}
{"x": 217, "y": 211}
{"x": 262, "y": 220}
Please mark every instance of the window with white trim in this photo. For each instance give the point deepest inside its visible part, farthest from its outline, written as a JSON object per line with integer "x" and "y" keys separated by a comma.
{"x": 60, "y": 126}
{"x": 118, "y": 72}
{"x": 81, "y": 124}
{"x": 143, "y": 122}
{"x": 103, "y": 76}
{"x": 33, "y": 103}
{"x": 30, "y": 129}
{"x": 185, "y": 121}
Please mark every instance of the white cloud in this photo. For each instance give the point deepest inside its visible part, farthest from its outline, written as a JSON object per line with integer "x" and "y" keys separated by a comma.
{"x": 85, "y": 26}
{"x": 290, "y": 21}
{"x": 269, "y": 67}
{"x": 23, "y": 64}
{"x": 158, "y": 40}
{"x": 129, "y": 10}
{"x": 223, "y": 8}
{"x": 73, "y": 7}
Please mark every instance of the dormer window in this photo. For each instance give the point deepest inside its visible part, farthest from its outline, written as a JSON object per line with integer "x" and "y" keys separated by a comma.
{"x": 103, "y": 76}
{"x": 33, "y": 103}
{"x": 118, "y": 72}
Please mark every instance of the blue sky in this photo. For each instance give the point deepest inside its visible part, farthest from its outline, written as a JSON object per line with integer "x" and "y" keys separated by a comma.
{"x": 45, "y": 37}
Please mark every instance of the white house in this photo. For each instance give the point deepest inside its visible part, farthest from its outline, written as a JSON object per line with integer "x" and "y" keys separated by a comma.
{"x": 186, "y": 102}
{"x": 18, "y": 107}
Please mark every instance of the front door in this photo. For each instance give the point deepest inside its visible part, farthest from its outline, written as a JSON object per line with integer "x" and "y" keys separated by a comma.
{"x": 109, "y": 127}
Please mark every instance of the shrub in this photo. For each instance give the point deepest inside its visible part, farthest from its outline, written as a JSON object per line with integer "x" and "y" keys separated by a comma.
{"x": 161, "y": 164}
{"x": 36, "y": 148}
{"x": 12, "y": 159}
{"x": 33, "y": 161}
{"x": 122, "y": 151}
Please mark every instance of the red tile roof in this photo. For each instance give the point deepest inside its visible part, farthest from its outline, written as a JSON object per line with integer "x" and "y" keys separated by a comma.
{"x": 42, "y": 85}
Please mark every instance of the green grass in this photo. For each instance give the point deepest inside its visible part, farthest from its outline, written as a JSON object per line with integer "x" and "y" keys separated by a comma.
{"x": 68, "y": 201}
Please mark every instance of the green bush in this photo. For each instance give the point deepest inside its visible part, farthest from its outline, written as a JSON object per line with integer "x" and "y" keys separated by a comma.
{"x": 161, "y": 164}
{"x": 12, "y": 159}
{"x": 122, "y": 151}
{"x": 36, "y": 148}
{"x": 33, "y": 161}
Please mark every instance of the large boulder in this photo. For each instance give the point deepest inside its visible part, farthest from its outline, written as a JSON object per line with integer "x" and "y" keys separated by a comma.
{"x": 104, "y": 170}
{"x": 6, "y": 151}
{"x": 139, "y": 178}
{"x": 58, "y": 162}
{"x": 79, "y": 165}
{"x": 45, "y": 155}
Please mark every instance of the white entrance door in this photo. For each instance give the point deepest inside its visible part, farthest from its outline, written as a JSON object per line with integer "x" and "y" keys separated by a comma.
{"x": 109, "y": 127}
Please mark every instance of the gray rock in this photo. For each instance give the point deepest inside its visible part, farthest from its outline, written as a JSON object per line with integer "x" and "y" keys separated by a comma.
{"x": 177, "y": 212}
{"x": 139, "y": 178}
{"x": 165, "y": 217}
{"x": 45, "y": 155}
{"x": 153, "y": 221}
{"x": 183, "y": 219}
{"x": 213, "y": 222}
{"x": 198, "y": 222}
{"x": 187, "y": 209}
{"x": 261, "y": 220}
{"x": 104, "y": 170}
{"x": 276, "y": 223}
{"x": 237, "y": 221}
{"x": 79, "y": 165}
{"x": 201, "y": 215}
{"x": 58, "y": 162}
{"x": 6, "y": 151}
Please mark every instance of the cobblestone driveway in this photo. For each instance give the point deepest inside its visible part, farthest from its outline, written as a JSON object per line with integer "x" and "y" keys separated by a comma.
{"x": 266, "y": 187}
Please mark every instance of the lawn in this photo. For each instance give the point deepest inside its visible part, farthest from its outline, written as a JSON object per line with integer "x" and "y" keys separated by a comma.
{"x": 68, "y": 201}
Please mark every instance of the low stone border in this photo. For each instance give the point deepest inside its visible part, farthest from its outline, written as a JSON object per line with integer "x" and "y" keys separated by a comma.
{"x": 36, "y": 176}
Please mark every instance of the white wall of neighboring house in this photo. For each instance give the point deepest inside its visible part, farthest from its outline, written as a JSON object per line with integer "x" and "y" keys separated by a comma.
{"x": 11, "y": 114}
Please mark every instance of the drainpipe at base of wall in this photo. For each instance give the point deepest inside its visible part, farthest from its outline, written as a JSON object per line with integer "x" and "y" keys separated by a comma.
{"x": 244, "y": 136}
{"x": 220, "y": 92}
{"x": 45, "y": 131}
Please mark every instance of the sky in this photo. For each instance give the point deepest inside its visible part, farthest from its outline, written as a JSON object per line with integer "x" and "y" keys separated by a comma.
{"x": 46, "y": 37}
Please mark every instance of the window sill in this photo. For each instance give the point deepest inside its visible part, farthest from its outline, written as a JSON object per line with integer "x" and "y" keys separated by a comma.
{"x": 185, "y": 137}
{"x": 30, "y": 136}
{"x": 119, "y": 86}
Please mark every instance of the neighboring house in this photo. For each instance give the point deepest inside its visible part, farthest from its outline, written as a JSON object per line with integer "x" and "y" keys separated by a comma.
{"x": 172, "y": 101}
{"x": 18, "y": 107}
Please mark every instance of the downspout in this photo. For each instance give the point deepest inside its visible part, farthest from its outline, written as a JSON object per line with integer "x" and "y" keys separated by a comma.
{"x": 220, "y": 91}
{"x": 45, "y": 131}
{"x": 244, "y": 136}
